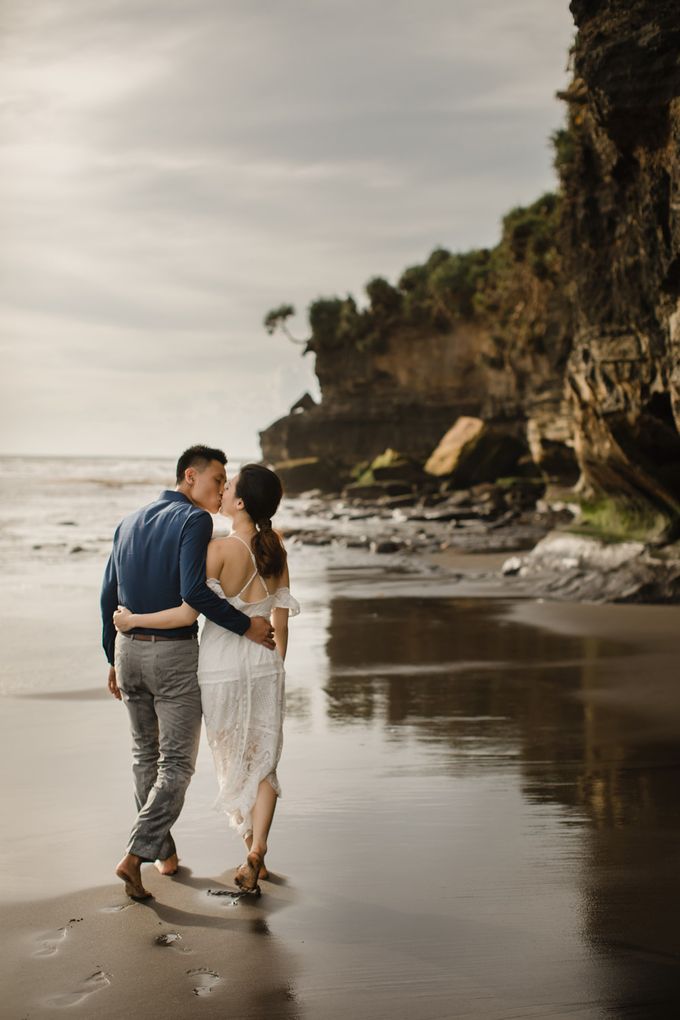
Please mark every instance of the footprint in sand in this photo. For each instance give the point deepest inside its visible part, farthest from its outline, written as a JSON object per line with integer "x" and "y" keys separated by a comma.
{"x": 172, "y": 939}
{"x": 94, "y": 983}
{"x": 49, "y": 942}
{"x": 205, "y": 980}
{"x": 115, "y": 910}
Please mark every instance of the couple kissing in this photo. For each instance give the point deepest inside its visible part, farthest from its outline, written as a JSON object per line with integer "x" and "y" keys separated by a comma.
{"x": 166, "y": 569}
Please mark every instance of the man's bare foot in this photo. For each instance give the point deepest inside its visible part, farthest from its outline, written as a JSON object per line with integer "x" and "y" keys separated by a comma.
{"x": 130, "y": 872}
{"x": 168, "y": 866}
{"x": 264, "y": 874}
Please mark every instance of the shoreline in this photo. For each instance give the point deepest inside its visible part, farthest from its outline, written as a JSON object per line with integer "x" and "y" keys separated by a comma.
{"x": 436, "y": 708}
{"x": 446, "y": 693}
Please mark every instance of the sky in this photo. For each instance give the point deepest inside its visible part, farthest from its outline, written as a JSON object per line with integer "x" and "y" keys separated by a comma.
{"x": 173, "y": 170}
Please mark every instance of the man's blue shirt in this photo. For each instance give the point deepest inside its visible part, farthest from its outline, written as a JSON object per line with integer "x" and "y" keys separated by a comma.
{"x": 158, "y": 561}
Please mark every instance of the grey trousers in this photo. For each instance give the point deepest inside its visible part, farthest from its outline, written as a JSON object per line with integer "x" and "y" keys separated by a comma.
{"x": 160, "y": 689}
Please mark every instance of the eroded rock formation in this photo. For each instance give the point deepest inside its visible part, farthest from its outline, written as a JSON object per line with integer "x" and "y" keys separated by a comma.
{"x": 621, "y": 257}
{"x": 486, "y": 334}
{"x": 569, "y": 331}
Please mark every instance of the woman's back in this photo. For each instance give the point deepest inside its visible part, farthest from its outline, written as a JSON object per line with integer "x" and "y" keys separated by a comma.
{"x": 233, "y": 575}
{"x": 231, "y": 561}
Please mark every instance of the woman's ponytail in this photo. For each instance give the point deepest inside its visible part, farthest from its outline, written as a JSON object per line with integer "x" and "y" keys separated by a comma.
{"x": 261, "y": 491}
{"x": 270, "y": 555}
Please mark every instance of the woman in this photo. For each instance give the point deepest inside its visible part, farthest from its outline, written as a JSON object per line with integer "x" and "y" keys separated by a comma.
{"x": 242, "y": 683}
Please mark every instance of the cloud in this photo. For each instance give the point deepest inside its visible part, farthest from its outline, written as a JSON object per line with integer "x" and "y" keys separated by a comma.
{"x": 172, "y": 171}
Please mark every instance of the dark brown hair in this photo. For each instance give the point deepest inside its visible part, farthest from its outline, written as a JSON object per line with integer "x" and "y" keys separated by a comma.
{"x": 261, "y": 491}
{"x": 198, "y": 456}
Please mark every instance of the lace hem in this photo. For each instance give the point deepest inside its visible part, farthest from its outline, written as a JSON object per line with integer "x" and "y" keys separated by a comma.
{"x": 244, "y": 726}
{"x": 238, "y": 809}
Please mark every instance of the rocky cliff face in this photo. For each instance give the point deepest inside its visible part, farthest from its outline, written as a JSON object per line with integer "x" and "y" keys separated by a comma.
{"x": 569, "y": 331}
{"x": 621, "y": 251}
{"x": 372, "y": 400}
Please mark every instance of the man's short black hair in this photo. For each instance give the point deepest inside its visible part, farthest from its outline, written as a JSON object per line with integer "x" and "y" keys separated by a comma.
{"x": 198, "y": 456}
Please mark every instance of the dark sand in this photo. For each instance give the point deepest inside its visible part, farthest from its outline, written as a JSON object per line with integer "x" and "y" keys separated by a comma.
{"x": 480, "y": 817}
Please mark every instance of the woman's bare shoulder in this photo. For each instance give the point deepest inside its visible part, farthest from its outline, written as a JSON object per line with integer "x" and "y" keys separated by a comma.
{"x": 218, "y": 542}
{"x": 228, "y": 546}
{"x": 234, "y": 554}
{"x": 223, "y": 553}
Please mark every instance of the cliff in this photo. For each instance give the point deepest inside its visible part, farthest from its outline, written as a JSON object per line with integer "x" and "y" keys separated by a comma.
{"x": 483, "y": 333}
{"x": 568, "y": 332}
{"x": 621, "y": 251}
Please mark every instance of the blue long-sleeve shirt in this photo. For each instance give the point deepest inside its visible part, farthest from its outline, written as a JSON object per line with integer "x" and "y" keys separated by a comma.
{"x": 158, "y": 561}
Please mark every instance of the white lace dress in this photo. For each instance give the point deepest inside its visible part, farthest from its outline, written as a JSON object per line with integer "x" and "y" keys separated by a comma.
{"x": 243, "y": 699}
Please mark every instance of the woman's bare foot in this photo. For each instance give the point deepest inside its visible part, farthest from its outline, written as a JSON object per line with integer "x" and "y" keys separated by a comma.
{"x": 168, "y": 866}
{"x": 247, "y": 876}
{"x": 130, "y": 872}
{"x": 248, "y": 840}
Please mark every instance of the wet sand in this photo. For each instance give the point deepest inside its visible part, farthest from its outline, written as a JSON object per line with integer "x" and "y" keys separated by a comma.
{"x": 480, "y": 815}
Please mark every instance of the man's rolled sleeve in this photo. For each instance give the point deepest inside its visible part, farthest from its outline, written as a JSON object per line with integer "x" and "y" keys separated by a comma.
{"x": 196, "y": 534}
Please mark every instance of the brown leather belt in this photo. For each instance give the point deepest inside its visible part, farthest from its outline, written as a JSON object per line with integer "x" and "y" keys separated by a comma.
{"x": 161, "y": 637}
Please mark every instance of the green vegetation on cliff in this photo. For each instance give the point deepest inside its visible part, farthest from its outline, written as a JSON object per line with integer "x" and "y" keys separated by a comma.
{"x": 444, "y": 290}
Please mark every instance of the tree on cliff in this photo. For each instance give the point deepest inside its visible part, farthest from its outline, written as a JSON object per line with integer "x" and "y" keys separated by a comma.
{"x": 276, "y": 318}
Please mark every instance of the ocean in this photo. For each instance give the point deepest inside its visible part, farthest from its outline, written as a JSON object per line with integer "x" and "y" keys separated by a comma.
{"x": 52, "y": 508}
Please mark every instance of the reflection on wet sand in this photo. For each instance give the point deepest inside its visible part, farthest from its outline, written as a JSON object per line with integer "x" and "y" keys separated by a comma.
{"x": 456, "y": 671}
{"x": 492, "y": 693}
{"x": 479, "y": 820}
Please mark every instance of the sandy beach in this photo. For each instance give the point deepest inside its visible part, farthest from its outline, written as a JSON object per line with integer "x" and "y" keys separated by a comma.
{"x": 423, "y": 263}
{"x": 479, "y": 818}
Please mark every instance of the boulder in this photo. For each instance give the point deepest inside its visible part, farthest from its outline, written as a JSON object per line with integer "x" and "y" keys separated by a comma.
{"x": 386, "y": 546}
{"x": 308, "y": 473}
{"x": 394, "y": 467}
{"x": 452, "y": 446}
{"x": 521, "y": 493}
{"x": 472, "y": 452}
{"x": 573, "y": 566}
{"x": 376, "y": 490}
{"x": 390, "y": 467}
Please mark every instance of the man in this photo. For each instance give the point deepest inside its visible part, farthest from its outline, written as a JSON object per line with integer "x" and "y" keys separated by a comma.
{"x": 158, "y": 560}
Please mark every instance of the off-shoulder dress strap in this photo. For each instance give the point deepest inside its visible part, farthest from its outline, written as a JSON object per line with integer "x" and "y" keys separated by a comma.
{"x": 255, "y": 572}
{"x": 243, "y": 542}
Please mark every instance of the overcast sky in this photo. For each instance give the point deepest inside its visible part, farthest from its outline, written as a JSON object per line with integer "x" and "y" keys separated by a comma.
{"x": 173, "y": 169}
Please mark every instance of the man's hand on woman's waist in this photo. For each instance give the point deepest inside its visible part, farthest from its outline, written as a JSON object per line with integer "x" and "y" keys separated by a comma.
{"x": 261, "y": 632}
